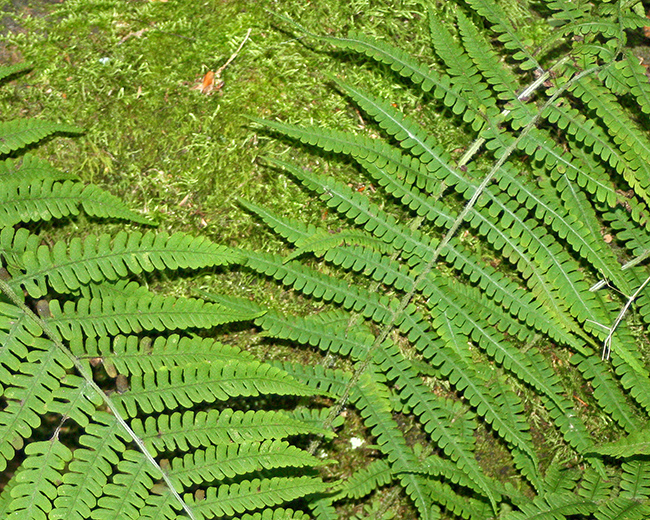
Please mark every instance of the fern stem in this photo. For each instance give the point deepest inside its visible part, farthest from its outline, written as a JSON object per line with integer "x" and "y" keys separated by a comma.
{"x": 84, "y": 372}
{"x": 526, "y": 93}
{"x": 607, "y": 344}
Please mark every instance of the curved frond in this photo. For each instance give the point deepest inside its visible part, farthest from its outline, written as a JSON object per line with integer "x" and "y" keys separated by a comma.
{"x": 195, "y": 429}
{"x": 19, "y": 133}
{"x": 45, "y": 199}
{"x": 97, "y": 317}
{"x": 219, "y": 381}
{"x": 364, "y": 481}
{"x": 30, "y": 168}
{"x": 510, "y": 38}
{"x": 67, "y": 266}
{"x": 40, "y": 473}
{"x": 231, "y": 499}
{"x": 10, "y": 70}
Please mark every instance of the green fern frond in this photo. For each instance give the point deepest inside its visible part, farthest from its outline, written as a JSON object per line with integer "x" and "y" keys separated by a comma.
{"x": 232, "y": 499}
{"x": 499, "y": 76}
{"x": 17, "y": 134}
{"x": 33, "y": 200}
{"x": 187, "y": 386}
{"x": 368, "y": 399}
{"x": 276, "y": 514}
{"x": 10, "y": 70}
{"x": 594, "y": 487}
{"x": 125, "y": 495}
{"x": 568, "y": 10}
{"x": 90, "y": 469}
{"x": 637, "y": 443}
{"x": 622, "y": 509}
{"x": 410, "y": 136}
{"x": 29, "y": 394}
{"x": 30, "y": 168}
{"x": 135, "y": 355}
{"x": 194, "y": 429}
{"x": 331, "y": 331}
{"x": 427, "y": 79}
{"x": 67, "y": 266}
{"x": 97, "y": 317}
{"x": 227, "y": 461}
{"x": 510, "y": 38}
{"x": 635, "y": 480}
{"x": 637, "y": 81}
{"x": 606, "y": 391}
{"x": 553, "y": 506}
{"x": 39, "y": 475}
{"x": 634, "y": 146}
{"x": 13, "y": 244}
{"x": 464, "y": 74}
{"x": 364, "y": 481}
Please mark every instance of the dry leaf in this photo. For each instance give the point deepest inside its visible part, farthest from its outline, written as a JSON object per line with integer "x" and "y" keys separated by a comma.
{"x": 208, "y": 85}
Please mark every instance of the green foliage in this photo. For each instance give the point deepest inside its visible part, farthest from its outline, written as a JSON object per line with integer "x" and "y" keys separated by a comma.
{"x": 447, "y": 287}
{"x": 465, "y": 304}
{"x": 117, "y": 400}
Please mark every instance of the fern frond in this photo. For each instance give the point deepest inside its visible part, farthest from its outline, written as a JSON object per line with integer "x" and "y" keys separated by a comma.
{"x": 606, "y": 391}
{"x": 620, "y": 508}
{"x": 182, "y": 431}
{"x": 635, "y": 480}
{"x": 435, "y": 418}
{"x": 276, "y": 514}
{"x": 637, "y": 443}
{"x": 187, "y": 386}
{"x": 227, "y": 461}
{"x": 126, "y": 494}
{"x": 124, "y": 354}
{"x": 30, "y": 168}
{"x": 331, "y": 331}
{"x": 461, "y": 506}
{"x": 634, "y": 146}
{"x": 427, "y": 79}
{"x": 630, "y": 367}
{"x": 371, "y": 399}
{"x": 40, "y": 473}
{"x": 29, "y": 394}
{"x": 410, "y": 135}
{"x": 570, "y": 11}
{"x": 438, "y": 467}
{"x": 373, "y": 406}
{"x": 45, "y": 199}
{"x": 503, "y": 410}
{"x": 464, "y": 74}
{"x": 98, "y": 317}
{"x": 637, "y": 81}
{"x": 66, "y": 267}
{"x": 13, "y": 244}
{"x": 497, "y": 74}
{"x": 101, "y": 446}
{"x": 10, "y": 70}
{"x": 510, "y": 38}
{"x": 594, "y": 486}
{"x": 363, "y": 481}
{"x": 374, "y": 220}
{"x": 231, "y": 499}
{"x": 17, "y": 134}
{"x": 553, "y": 506}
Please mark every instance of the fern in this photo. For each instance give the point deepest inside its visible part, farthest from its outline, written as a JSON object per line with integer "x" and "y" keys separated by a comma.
{"x": 419, "y": 305}
{"x": 156, "y": 425}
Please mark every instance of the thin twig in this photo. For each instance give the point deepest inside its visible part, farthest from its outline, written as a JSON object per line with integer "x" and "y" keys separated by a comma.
{"x": 607, "y": 344}
{"x": 217, "y": 74}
